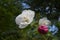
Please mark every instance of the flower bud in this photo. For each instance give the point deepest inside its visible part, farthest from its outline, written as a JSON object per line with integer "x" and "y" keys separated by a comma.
{"x": 43, "y": 29}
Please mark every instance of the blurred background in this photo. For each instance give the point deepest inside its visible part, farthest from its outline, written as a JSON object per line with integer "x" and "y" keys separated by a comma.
{"x": 9, "y": 9}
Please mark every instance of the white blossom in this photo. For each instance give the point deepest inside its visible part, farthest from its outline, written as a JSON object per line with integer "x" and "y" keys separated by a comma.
{"x": 25, "y": 18}
{"x": 44, "y": 21}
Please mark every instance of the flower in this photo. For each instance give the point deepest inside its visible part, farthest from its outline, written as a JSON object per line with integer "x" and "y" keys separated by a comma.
{"x": 53, "y": 29}
{"x": 44, "y": 21}
{"x": 43, "y": 29}
{"x": 25, "y": 18}
{"x": 25, "y": 5}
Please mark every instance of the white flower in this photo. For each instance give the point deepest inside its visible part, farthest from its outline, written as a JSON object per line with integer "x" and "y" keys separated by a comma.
{"x": 25, "y": 18}
{"x": 44, "y": 21}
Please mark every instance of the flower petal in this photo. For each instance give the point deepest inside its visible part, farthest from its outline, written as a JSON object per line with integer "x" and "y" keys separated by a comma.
{"x": 44, "y": 21}
{"x": 21, "y": 26}
{"x": 29, "y": 13}
{"x": 18, "y": 19}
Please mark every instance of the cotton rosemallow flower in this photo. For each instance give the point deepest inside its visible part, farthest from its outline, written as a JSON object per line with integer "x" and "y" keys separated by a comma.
{"x": 43, "y": 29}
{"x": 44, "y": 21}
{"x": 53, "y": 29}
{"x": 25, "y": 18}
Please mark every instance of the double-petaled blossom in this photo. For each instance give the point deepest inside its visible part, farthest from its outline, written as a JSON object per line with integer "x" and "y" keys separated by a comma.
{"x": 44, "y": 21}
{"x": 25, "y": 18}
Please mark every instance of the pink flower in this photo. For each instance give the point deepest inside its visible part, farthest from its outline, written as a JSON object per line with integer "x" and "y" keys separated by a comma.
{"x": 43, "y": 29}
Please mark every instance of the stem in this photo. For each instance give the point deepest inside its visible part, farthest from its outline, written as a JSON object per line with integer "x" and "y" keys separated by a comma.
{"x": 44, "y": 37}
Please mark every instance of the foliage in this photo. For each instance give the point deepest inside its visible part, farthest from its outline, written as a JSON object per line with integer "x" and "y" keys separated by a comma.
{"x": 9, "y": 9}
